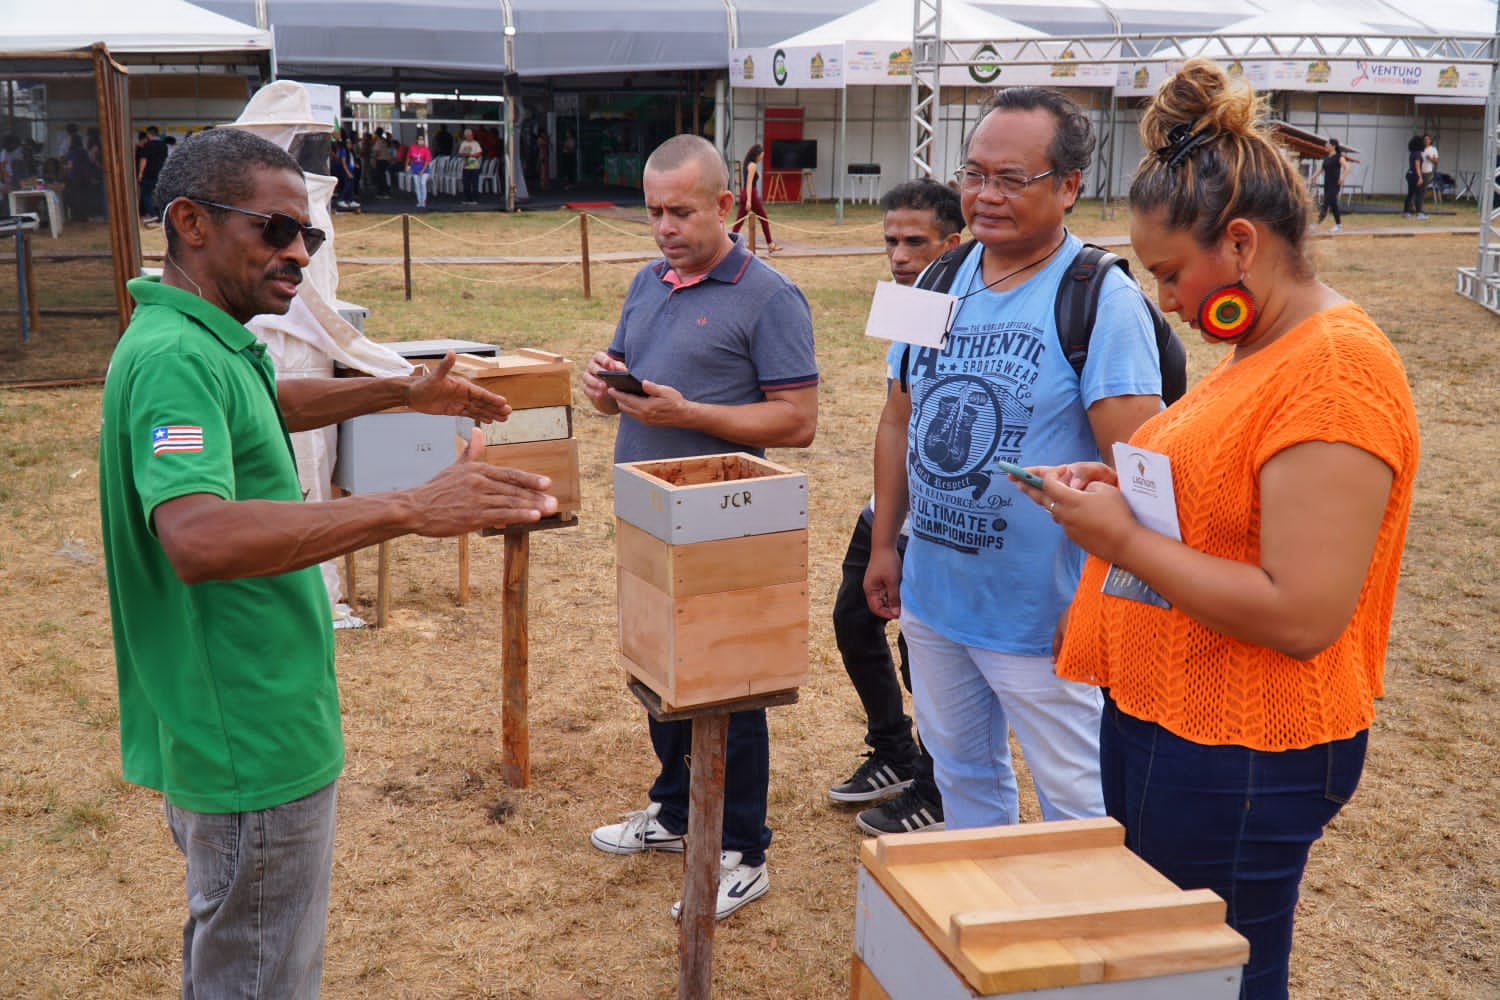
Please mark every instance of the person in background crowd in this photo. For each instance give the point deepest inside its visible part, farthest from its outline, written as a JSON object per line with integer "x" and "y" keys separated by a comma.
{"x": 1240, "y": 664}
{"x": 751, "y": 207}
{"x": 419, "y": 163}
{"x": 1413, "y": 208}
{"x": 472, "y": 155}
{"x": 1333, "y": 169}
{"x": 149, "y": 161}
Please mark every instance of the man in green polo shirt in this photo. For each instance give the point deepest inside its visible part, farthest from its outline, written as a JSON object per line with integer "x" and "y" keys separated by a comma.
{"x": 228, "y": 700}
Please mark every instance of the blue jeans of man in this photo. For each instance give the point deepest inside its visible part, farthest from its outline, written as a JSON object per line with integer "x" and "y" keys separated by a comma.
{"x": 747, "y": 781}
{"x": 967, "y": 701}
{"x": 1231, "y": 819}
{"x": 861, "y": 637}
{"x": 257, "y": 891}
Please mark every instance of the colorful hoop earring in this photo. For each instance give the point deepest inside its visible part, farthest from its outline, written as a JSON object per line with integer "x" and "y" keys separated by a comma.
{"x": 1228, "y": 312}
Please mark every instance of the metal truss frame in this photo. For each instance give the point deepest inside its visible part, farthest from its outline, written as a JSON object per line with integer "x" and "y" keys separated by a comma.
{"x": 931, "y": 55}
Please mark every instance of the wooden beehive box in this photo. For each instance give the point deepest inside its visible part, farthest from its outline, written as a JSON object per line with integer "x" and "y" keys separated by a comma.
{"x": 538, "y": 437}
{"x": 711, "y": 567}
{"x": 1063, "y": 908}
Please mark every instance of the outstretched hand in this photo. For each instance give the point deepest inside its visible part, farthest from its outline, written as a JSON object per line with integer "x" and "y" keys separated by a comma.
{"x": 443, "y": 393}
{"x": 471, "y": 494}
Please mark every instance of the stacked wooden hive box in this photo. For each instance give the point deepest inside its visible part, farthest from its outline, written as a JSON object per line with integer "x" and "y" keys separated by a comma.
{"x": 711, "y": 564}
{"x": 538, "y": 436}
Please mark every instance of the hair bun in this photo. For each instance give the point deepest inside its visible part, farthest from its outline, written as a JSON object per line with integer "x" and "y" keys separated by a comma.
{"x": 1206, "y": 98}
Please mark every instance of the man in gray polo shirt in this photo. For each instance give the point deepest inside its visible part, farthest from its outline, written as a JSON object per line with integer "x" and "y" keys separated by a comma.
{"x": 723, "y": 347}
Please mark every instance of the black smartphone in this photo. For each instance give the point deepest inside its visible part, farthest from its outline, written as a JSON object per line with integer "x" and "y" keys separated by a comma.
{"x": 624, "y": 381}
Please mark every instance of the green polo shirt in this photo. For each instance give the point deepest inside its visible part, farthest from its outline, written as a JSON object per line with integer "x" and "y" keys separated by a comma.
{"x": 228, "y": 701}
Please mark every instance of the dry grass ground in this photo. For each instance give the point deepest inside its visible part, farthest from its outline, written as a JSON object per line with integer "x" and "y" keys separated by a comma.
{"x": 448, "y": 884}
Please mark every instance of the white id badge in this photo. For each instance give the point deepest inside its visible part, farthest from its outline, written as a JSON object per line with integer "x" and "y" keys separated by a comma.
{"x": 910, "y": 315}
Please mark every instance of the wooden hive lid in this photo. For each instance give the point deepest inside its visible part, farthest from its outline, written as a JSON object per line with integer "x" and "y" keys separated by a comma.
{"x": 1046, "y": 905}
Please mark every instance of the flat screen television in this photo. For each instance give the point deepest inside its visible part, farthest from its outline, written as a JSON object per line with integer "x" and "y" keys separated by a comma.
{"x": 794, "y": 154}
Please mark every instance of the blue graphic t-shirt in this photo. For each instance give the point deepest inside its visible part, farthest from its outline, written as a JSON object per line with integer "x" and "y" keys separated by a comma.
{"x": 985, "y": 566}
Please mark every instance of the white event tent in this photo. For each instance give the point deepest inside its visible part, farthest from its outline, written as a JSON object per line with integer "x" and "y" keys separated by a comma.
{"x": 867, "y": 51}
{"x": 141, "y": 27}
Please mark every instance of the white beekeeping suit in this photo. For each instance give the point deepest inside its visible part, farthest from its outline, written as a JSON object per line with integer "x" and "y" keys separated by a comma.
{"x": 312, "y": 335}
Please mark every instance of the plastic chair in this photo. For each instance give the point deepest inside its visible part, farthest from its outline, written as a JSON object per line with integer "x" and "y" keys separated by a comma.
{"x": 489, "y": 176}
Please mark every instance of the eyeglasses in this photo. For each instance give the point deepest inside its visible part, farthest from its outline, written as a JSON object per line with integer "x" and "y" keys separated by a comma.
{"x": 280, "y": 229}
{"x": 1010, "y": 185}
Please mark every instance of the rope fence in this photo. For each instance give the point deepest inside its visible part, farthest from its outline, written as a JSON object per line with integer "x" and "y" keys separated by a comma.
{"x": 552, "y": 264}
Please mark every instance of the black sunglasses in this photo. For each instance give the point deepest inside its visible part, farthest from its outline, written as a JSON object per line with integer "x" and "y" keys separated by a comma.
{"x": 280, "y": 229}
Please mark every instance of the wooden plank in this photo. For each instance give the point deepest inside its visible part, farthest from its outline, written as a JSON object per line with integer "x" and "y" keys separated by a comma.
{"x": 645, "y": 632}
{"x": 862, "y": 984}
{"x": 735, "y": 635}
{"x": 715, "y": 566}
{"x": 1097, "y": 917}
{"x": 998, "y": 841}
{"x": 557, "y": 460}
{"x": 524, "y": 382}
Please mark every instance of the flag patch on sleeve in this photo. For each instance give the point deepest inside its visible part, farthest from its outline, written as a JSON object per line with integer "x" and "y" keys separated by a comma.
{"x": 176, "y": 438}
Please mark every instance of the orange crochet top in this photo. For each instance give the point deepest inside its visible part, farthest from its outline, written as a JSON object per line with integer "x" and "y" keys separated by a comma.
{"x": 1332, "y": 378}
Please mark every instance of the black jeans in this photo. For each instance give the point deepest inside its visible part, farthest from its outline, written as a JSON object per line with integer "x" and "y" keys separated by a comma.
{"x": 1414, "y": 194}
{"x": 1330, "y": 204}
{"x": 860, "y": 634}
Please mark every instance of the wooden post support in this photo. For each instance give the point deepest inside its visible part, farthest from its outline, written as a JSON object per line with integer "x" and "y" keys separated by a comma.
{"x": 406, "y": 251}
{"x": 515, "y": 755}
{"x": 705, "y": 832}
{"x": 382, "y": 584}
{"x": 583, "y": 239}
{"x": 700, "y": 890}
{"x": 33, "y": 305}
{"x": 463, "y": 569}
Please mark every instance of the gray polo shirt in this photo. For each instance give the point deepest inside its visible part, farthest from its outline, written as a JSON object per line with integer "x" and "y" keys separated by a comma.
{"x": 728, "y": 339}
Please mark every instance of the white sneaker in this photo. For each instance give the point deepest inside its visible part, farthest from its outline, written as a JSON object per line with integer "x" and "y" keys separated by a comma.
{"x": 1421, "y": 215}
{"x": 738, "y": 884}
{"x": 641, "y": 831}
{"x": 1337, "y": 229}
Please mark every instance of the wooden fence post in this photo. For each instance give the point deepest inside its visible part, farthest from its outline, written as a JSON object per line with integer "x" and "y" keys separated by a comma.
{"x": 583, "y": 239}
{"x": 406, "y": 251}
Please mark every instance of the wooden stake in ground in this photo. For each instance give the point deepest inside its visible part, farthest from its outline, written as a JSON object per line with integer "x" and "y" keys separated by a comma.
{"x": 583, "y": 241}
{"x": 515, "y": 727}
{"x": 406, "y": 252}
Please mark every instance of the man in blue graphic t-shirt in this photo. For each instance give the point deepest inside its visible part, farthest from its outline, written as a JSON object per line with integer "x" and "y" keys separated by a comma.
{"x": 987, "y": 577}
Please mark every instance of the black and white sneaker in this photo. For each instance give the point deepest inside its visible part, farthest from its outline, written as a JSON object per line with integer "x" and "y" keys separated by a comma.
{"x": 739, "y": 884}
{"x": 907, "y": 814}
{"x": 641, "y": 831}
{"x": 877, "y": 778}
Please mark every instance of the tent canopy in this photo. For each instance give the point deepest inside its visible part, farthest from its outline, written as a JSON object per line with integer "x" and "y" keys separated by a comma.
{"x": 870, "y": 45}
{"x": 440, "y": 42}
{"x": 140, "y": 26}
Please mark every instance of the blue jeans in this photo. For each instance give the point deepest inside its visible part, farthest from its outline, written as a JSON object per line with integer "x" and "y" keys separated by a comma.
{"x": 747, "y": 781}
{"x": 257, "y": 889}
{"x": 968, "y": 699}
{"x": 1231, "y": 819}
{"x": 419, "y": 185}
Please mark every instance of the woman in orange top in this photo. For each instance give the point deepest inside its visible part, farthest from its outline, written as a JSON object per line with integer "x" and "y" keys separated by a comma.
{"x": 1240, "y": 678}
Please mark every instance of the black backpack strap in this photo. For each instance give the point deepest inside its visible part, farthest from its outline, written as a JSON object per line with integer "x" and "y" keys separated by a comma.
{"x": 1077, "y": 305}
{"x": 937, "y": 277}
{"x": 1077, "y": 301}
